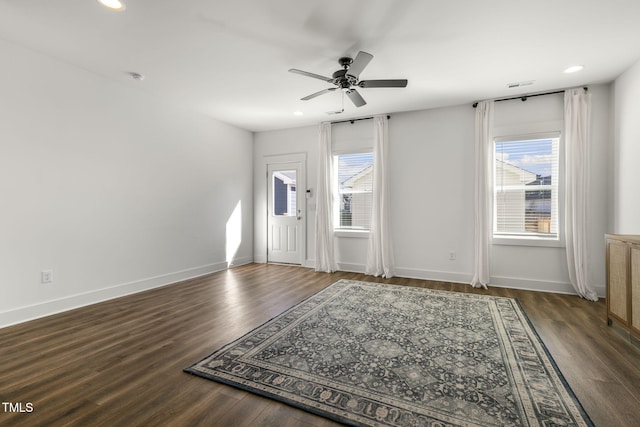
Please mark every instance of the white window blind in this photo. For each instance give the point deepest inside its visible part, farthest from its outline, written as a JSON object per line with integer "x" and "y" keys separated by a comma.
{"x": 354, "y": 182}
{"x": 526, "y": 185}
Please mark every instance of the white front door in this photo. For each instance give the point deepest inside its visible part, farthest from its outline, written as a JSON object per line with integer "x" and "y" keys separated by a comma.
{"x": 286, "y": 208}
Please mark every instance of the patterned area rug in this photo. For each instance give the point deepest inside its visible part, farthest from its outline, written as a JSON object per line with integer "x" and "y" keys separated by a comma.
{"x": 386, "y": 355}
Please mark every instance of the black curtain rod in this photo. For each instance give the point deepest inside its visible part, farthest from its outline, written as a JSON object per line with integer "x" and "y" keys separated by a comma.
{"x": 524, "y": 97}
{"x": 356, "y": 120}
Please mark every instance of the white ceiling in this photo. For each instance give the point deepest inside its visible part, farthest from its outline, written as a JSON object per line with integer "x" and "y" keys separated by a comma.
{"x": 229, "y": 59}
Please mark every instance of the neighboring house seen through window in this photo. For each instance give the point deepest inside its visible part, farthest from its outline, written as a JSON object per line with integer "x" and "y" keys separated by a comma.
{"x": 526, "y": 186}
{"x": 354, "y": 184}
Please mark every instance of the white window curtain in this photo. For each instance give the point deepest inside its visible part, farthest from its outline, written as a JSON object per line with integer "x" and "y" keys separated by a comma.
{"x": 577, "y": 111}
{"x": 325, "y": 253}
{"x": 380, "y": 260}
{"x": 483, "y": 193}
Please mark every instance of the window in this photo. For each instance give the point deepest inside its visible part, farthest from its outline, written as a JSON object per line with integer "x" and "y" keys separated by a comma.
{"x": 354, "y": 181}
{"x": 526, "y": 186}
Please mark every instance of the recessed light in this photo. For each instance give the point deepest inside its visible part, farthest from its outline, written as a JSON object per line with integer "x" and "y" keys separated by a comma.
{"x": 574, "y": 69}
{"x": 113, "y": 4}
{"x": 298, "y": 113}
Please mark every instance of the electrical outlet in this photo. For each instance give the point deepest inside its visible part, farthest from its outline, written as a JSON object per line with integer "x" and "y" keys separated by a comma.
{"x": 46, "y": 276}
{"x": 452, "y": 255}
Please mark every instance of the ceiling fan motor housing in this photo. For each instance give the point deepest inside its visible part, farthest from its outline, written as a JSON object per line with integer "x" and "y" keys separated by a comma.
{"x": 345, "y": 61}
{"x": 344, "y": 80}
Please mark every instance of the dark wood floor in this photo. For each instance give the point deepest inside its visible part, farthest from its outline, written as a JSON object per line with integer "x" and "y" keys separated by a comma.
{"x": 120, "y": 362}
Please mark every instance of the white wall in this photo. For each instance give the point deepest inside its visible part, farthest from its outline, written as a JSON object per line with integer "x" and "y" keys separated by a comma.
{"x": 112, "y": 189}
{"x": 626, "y": 153}
{"x": 267, "y": 146}
{"x": 432, "y": 170}
{"x": 431, "y": 163}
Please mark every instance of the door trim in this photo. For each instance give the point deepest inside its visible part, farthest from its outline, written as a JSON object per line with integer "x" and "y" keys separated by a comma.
{"x": 282, "y": 160}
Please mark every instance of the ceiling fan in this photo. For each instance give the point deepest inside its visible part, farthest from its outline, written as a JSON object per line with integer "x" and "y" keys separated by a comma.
{"x": 348, "y": 79}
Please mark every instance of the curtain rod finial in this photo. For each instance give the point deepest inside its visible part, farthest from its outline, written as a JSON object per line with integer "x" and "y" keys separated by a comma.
{"x": 475, "y": 105}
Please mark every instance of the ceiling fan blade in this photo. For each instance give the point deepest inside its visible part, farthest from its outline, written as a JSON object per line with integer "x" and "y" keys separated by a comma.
{"x": 356, "y": 98}
{"x": 308, "y": 74}
{"x": 322, "y": 92}
{"x": 383, "y": 83}
{"x": 362, "y": 60}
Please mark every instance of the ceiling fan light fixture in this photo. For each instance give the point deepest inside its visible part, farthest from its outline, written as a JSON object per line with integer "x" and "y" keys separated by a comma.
{"x": 573, "y": 69}
{"x": 113, "y": 4}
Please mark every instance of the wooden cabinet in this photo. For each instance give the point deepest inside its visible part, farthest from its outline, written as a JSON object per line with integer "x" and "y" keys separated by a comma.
{"x": 623, "y": 282}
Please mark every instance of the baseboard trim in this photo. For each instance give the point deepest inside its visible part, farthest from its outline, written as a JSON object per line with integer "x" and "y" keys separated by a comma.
{"x": 240, "y": 261}
{"x": 24, "y": 314}
{"x": 440, "y": 276}
{"x": 497, "y": 281}
{"x": 47, "y": 308}
{"x": 540, "y": 285}
{"x": 412, "y": 273}
{"x": 351, "y": 268}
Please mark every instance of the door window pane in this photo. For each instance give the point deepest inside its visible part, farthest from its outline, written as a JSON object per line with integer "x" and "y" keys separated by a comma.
{"x": 284, "y": 193}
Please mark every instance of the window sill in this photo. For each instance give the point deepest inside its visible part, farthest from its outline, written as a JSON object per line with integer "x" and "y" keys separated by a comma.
{"x": 531, "y": 241}
{"x": 357, "y": 234}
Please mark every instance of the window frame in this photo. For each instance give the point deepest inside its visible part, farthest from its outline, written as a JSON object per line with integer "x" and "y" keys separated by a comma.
{"x": 337, "y": 229}
{"x": 517, "y": 239}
